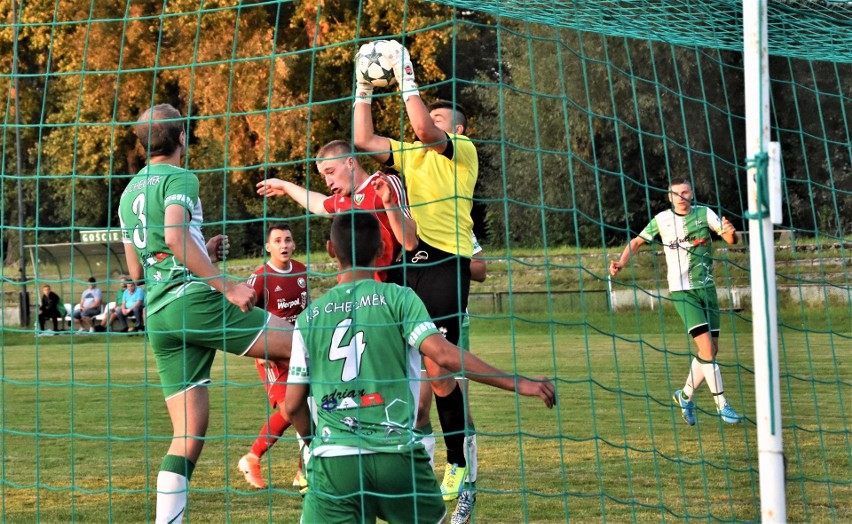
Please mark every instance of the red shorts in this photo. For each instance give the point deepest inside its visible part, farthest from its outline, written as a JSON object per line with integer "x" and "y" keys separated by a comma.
{"x": 274, "y": 375}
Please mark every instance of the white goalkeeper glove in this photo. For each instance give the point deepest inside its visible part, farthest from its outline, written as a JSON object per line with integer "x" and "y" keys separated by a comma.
{"x": 363, "y": 90}
{"x": 403, "y": 71}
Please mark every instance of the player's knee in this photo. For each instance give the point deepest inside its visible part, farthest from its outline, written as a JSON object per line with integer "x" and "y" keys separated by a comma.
{"x": 443, "y": 387}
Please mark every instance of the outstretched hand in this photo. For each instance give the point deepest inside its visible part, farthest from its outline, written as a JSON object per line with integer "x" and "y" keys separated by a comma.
{"x": 272, "y": 187}
{"x": 540, "y": 387}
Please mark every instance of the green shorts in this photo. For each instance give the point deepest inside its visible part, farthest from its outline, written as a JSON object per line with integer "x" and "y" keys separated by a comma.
{"x": 464, "y": 335}
{"x": 186, "y": 333}
{"x": 396, "y": 487}
{"x": 698, "y": 308}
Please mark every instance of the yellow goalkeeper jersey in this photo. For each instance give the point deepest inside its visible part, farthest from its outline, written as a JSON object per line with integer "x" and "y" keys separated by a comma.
{"x": 440, "y": 191}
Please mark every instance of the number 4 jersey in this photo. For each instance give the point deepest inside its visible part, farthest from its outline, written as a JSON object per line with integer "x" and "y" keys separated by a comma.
{"x": 358, "y": 348}
{"x": 142, "y": 212}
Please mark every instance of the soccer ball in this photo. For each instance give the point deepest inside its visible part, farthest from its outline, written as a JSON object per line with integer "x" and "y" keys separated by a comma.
{"x": 374, "y": 63}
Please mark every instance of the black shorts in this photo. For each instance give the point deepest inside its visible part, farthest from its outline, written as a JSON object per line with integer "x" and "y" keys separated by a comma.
{"x": 442, "y": 281}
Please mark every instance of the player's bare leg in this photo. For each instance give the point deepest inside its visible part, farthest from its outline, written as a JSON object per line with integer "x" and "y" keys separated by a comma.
{"x": 275, "y": 342}
{"x": 704, "y": 367}
{"x": 451, "y": 412}
{"x": 189, "y": 412}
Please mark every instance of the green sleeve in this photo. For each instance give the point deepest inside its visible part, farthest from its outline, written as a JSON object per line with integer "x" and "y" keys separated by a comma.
{"x": 650, "y": 231}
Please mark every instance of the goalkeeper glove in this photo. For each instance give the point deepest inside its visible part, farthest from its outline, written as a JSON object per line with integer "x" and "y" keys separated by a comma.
{"x": 363, "y": 89}
{"x": 403, "y": 71}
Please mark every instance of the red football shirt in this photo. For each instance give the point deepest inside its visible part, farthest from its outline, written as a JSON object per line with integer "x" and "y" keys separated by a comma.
{"x": 365, "y": 198}
{"x": 282, "y": 293}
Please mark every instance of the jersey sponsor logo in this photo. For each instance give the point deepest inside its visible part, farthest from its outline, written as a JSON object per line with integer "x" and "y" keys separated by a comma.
{"x": 677, "y": 242}
{"x": 278, "y": 288}
{"x": 420, "y": 255}
{"x": 286, "y": 304}
{"x": 372, "y": 399}
{"x": 354, "y": 426}
{"x": 366, "y": 400}
{"x": 351, "y": 423}
{"x": 347, "y": 403}
{"x": 340, "y": 395}
{"x": 359, "y": 198}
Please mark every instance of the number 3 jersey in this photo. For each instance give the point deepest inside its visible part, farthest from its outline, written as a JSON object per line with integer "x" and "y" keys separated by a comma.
{"x": 686, "y": 242}
{"x": 358, "y": 348}
{"x": 142, "y": 212}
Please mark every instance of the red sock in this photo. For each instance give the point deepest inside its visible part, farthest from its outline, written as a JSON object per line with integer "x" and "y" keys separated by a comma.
{"x": 274, "y": 428}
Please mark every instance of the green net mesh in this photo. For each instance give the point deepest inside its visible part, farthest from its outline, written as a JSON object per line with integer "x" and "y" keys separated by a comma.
{"x": 582, "y": 114}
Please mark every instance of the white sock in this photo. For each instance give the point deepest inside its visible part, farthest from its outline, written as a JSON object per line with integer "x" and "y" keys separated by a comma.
{"x": 694, "y": 379}
{"x": 470, "y": 456}
{"x": 714, "y": 381}
{"x": 429, "y": 443}
{"x": 171, "y": 497}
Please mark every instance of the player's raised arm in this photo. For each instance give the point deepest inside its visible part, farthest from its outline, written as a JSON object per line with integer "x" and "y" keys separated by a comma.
{"x": 419, "y": 115}
{"x": 396, "y": 208}
{"x": 310, "y": 200}
{"x": 364, "y": 136}
{"x": 617, "y": 265}
{"x": 448, "y": 356}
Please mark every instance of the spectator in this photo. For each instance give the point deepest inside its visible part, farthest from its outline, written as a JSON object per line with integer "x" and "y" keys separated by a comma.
{"x": 51, "y": 307}
{"x": 90, "y": 305}
{"x": 132, "y": 303}
{"x": 110, "y": 314}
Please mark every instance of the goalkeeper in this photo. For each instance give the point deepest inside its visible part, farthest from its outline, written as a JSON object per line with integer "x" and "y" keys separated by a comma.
{"x": 440, "y": 171}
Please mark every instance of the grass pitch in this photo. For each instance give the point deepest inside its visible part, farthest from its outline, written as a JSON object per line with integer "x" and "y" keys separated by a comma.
{"x": 84, "y": 426}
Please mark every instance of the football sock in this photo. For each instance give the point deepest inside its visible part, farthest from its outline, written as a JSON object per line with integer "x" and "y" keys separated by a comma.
{"x": 429, "y": 442}
{"x": 472, "y": 460}
{"x": 274, "y": 428}
{"x": 452, "y": 417}
{"x": 714, "y": 381}
{"x": 693, "y": 380}
{"x": 172, "y": 488}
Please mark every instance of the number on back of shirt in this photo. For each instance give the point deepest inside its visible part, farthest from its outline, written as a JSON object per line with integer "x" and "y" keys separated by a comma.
{"x": 138, "y": 208}
{"x": 350, "y": 353}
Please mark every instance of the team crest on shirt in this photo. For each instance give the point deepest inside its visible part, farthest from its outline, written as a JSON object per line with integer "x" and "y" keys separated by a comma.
{"x": 301, "y": 282}
{"x": 359, "y": 198}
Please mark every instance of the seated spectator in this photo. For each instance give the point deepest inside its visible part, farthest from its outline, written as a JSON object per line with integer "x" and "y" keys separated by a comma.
{"x": 91, "y": 302}
{"x": 133, "y": 302}
{"x": 51, "y": 307}
{"x": 111, "y": 314}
